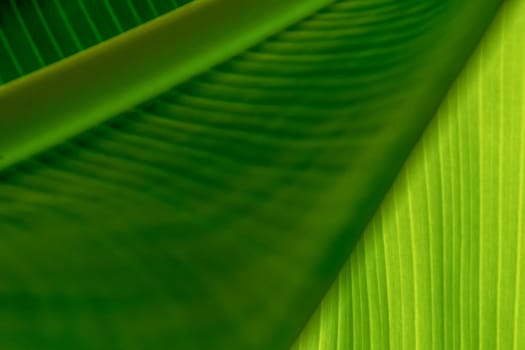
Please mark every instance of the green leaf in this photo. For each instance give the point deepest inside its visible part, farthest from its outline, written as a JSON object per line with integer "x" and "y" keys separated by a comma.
{"x": 441, "y": 264}
{"x": 216, "y": 214}
{"x": 36, "y": 33}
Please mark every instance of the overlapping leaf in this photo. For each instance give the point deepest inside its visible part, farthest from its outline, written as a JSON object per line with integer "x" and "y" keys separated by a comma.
{"x": 36, "y": 33}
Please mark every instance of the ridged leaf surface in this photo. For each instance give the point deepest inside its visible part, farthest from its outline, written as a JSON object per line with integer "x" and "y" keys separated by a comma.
{"x": 36, "y": 33}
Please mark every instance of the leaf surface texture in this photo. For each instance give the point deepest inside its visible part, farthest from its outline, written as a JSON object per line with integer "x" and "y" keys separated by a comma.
{"x": 36, "y": 33}
{"x": 441, "y": 264}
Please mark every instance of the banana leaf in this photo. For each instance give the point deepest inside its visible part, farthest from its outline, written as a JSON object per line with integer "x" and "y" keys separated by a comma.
{"x": 37, "y": 33}
{"x": 441, "y": 264}
{"x": 198, "y": 181}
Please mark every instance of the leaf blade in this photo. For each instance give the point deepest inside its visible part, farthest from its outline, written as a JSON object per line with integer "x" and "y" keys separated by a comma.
{"x": 443, "y": 253}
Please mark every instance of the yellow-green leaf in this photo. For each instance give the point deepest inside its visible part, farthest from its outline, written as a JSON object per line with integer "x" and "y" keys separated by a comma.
{"x": 441, "y": 264}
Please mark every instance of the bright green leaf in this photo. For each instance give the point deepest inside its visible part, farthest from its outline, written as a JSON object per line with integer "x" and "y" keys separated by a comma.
{"x": 441, "y": 265}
